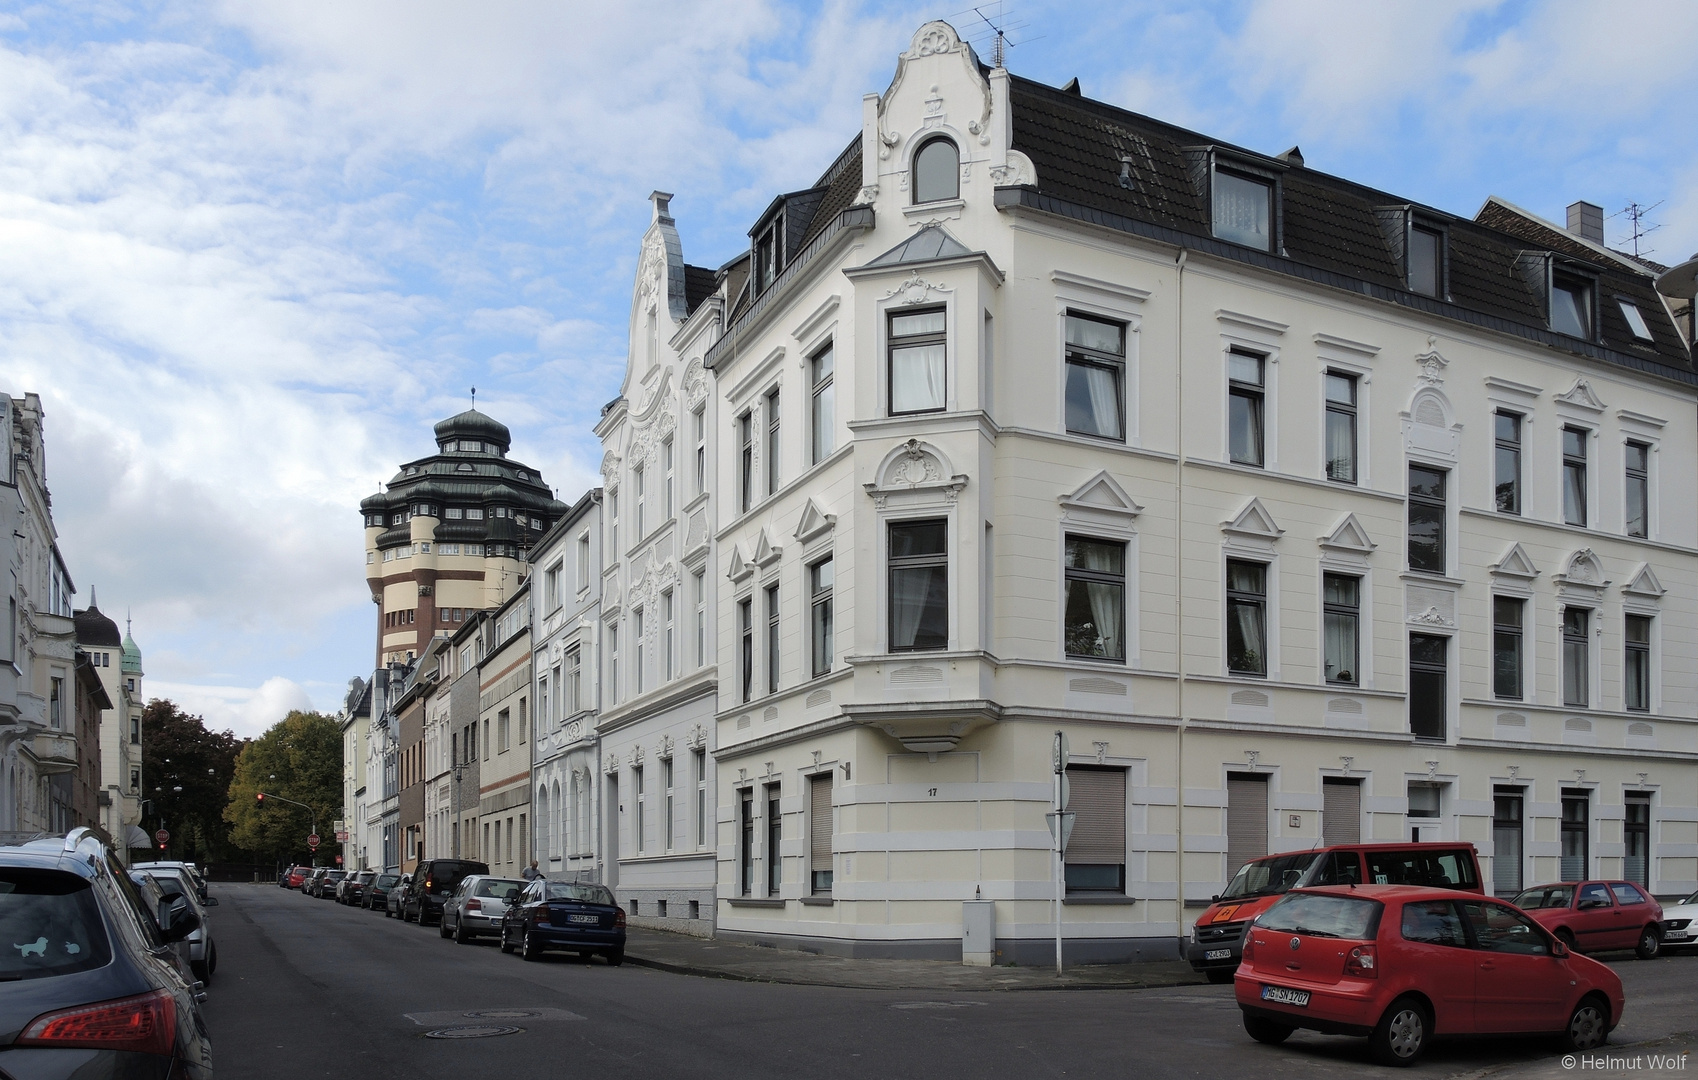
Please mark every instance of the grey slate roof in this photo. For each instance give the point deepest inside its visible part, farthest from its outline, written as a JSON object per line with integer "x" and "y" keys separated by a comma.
{"x": 931, "y": 242}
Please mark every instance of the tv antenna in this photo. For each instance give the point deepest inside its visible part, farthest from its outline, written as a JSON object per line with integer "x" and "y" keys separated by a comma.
{"x": 997, "y": 30}
{"x": 1637, "y": 216}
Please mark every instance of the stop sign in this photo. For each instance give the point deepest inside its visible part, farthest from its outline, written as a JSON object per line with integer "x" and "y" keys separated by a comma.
{"x": 312, "y": 841}
{"x": 338, "y": 860}
{"x": 161, "y": 836}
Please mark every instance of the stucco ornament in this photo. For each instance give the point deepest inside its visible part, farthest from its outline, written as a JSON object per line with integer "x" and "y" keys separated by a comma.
{"x": 650, "y": 273}
{"x": 915, "y": 290}
{"x": 610, "y": 471}
{"x": 1432, "y": 364}
{"x": 695, "y": 384}
{"x": 914, "y": 467}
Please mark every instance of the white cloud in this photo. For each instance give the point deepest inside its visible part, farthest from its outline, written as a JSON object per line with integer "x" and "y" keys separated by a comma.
{"x": 247, "y": 711}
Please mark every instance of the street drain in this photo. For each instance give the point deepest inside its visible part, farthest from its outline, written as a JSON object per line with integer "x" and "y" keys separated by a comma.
{"x": 472, "y": 1031}
{"x": 504, "y": 1014}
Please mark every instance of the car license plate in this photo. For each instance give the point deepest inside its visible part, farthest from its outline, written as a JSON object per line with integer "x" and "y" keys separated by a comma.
{"x": 1217, "y": 954}
{"x": 591, "y": 919}
{"x": 1283, "y": 996}
{"x": 1678, "y": 934}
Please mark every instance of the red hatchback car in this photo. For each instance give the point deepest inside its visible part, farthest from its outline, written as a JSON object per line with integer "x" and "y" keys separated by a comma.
{"x": 1401, "y": 964}
{"x": 1595, "y": 915}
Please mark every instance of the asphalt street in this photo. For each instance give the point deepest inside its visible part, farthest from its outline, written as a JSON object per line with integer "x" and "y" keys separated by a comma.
{"x": 307, "y": 988}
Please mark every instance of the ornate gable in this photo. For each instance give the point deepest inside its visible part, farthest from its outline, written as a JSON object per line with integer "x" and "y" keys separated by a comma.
{"x": 814, "y": 522}
{"x": 1348, "y": 537}
{"x": 1582, "y": 396}
{"x": 1644, "y": 583}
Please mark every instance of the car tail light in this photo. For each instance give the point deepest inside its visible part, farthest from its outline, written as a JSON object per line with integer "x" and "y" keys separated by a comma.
{"x": 474, "y": 904}
{"x": 146, "y": 1023}
{"x": 1362, "y": 963}
{"x": 619, "y": 919}
{"x": 1249, "y": 949}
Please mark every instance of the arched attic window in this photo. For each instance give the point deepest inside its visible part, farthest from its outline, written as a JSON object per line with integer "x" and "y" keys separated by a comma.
{"x": 937, "y": 171}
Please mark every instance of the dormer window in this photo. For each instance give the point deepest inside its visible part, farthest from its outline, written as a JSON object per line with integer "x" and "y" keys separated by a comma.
{"x": 450, "y": 447}
{"x": 769, "y": 254}
{"x": 1571, "y": 306}
{"x": 1243, "y": 210}
{"x": 937, "y": 172}
{"x": 1635, "y": 319}
{"x": 1426, "y": 262}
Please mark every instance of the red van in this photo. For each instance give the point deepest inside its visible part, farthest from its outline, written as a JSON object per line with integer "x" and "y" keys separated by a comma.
{"x": 1218, "y": 937}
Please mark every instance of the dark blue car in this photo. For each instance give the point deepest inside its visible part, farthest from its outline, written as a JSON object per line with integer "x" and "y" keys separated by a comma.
{"x": 563, "y": 915}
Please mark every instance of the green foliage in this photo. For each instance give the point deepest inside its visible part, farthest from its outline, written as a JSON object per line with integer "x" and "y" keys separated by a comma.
{"x": 299, "y": 758}
{"x": 178, "y": 752}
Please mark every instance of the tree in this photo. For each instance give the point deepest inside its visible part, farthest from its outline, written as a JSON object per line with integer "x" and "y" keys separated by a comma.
{"x": 298, "y": 758}
{"x": 186, "y": 771}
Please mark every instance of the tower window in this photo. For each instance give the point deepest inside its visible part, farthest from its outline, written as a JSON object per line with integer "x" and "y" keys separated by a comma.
{"x": 937, "y": 172}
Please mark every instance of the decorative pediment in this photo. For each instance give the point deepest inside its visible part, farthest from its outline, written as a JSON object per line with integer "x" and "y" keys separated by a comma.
{"x": 610, "y": 471}
{"x": 1101, "y": 494}
{"x": 1582, "y": 396}
{"x": 1515, "y": 563}
{"x": 1583, "y": 576}
{"x": 695, "y": 383}
{"x": 1348, "y": 536}
{"x": 915, "y": 468}
{"x": 915, "y": 289}
{"x": 766, "y": 552}
{"x": 1644, "y": 583}
{"x": 1253, "y": 521}
{"x": 815, "y": 522}
{"x": 739, "y": 568}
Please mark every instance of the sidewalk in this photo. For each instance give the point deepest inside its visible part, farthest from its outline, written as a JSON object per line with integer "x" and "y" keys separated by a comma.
{"x": 719, "y": 959}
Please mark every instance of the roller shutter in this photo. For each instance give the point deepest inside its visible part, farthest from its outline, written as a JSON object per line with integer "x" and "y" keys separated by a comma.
{"x": 1246, "y": 819}
{"x": 819, "y": 823}
{"x": 1098, "y": 797}
{"x": 1341, "y": 812}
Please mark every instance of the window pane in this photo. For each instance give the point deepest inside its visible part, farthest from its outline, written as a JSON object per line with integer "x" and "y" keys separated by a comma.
{"x": 1426, "y": 538}
{"x": 1426, "y": 483}
{"x": 1574, "y": 664}
{"x": 1095, "y": 614}
{"x": 1246, "y": 416}
{"x": 1424, "y": 262}
{"x": 1246, "y": 577}
{"x": 1341, "y": 446}
{"x": 1341, "y": 389}
{"x": 1340, "y": 647}
{"x": 1508, "y": 480}
{"x": 1345, "y": 591}
{"x": 935, "y": 169}
{"x": 1093, "y": 400}
{"x": 919, "y": 607}
{"x": 918, "y": 538}
{"x": 1508, "y": 427}
{"x": 1246, "y": 638}
{"x": 1574, "y": 493}
{"x": 1244, "y": 369}
{"x": 1106, "y": 556}
{"x": 1241, "y": 210}
{"x": 1094, "y": 334}
{"x": 1571, "y": 309}
{"x": 1506, "y": 664}
{"x": 924, "y": 322}
{"x": 1635, "y": 321}
{"x": 824, "y": 420}
{"x": 916, "y": 378}
{"x": 1574, "y": 443}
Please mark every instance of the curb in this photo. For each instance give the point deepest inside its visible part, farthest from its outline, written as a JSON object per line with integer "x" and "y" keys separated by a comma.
{"x": 720, "y": 973}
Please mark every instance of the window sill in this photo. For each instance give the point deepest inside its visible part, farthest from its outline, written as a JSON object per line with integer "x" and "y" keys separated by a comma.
{"x": 816, "y": 901}
{"x": 1088, "y": 900}
{"x": 936, "y": 206}
{"x": 755, "y": 902}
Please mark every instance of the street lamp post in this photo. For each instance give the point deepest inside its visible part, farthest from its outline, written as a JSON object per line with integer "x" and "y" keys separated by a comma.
{"x": 303, "y": 806}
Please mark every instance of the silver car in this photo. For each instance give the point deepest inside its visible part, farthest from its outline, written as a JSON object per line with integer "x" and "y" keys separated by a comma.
{"x": 175, "y": 881}
{"x": 477, "y": 907}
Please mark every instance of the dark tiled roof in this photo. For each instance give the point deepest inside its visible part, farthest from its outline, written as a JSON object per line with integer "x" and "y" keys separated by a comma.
{"x": 1130, "y": 172}
{"x": 94, "y": 628}
{"x": 699, "y": 283}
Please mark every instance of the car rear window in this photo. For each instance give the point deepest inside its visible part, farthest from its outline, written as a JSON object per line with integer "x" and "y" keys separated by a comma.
{"x": 1435, "y": 869}
{"x": 584, "y": 894}
{"x": 387, "y": 880}
{"x": 1323, "y": 915}
{"x": 1545, "y": 896}
{"x": 50, "y": 924}
{"x": 1264, "y": 877}
{"x": 499, "y": 889}
{"x": 1626, "y": 893}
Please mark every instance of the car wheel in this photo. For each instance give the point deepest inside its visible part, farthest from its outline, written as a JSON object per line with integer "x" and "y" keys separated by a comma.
{"x": 1266, "y": 1031}
{"x": 616, "y": 957}
{"x": 212, "y": 961}
{"x": 460, "y": 936}
{"x": 1401, "y": 1035}
{"x": 505, "y": 947}
{"x": 442, "y": 927}
{"x": 1650, "y": 943}
{"x": 1221, "y": 976}
{"x": 1588, "y": 1027}
{"x": 1567, "y": 937}
{"x": 530, "y": 948}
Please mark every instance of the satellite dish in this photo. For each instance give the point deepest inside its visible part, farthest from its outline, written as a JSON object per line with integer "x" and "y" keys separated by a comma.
{"x": 1680, "y": 281}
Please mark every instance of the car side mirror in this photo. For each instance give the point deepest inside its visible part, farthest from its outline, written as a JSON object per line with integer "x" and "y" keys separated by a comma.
{"x": 180, "y": 921}
{"x": 1558, "y": 949}
{"x": 1214, "y": 899}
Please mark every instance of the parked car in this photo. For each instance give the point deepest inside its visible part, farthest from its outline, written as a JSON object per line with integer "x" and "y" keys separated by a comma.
{"x": 324, "y": 885}
{"x": 161, "y": 910}
{"x": 297, "y": 877}
{"x": 1594, "y": 915}
{"x": 1219, "y": 931}
{"x": 376, "y": 894}
{"x": 283, "y": 878}
{"x": 91, "y": 989}
{"x": 353, "y": 886}
{"x": 433, "y": 883}
{"x": 188, "y": 868}
{"x": 395, "y": 904}
{"x": 477, "y": 907}
{"x": 310, "y": 885}
{"x": 580, "y": 918}
{"x": 1401, "y": 964}
{"x": 1678, "y": 929}
{"x": 174, "y": 881}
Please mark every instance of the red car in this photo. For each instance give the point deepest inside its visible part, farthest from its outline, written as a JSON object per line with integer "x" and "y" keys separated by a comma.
{"x": 1595, "y": 915}
{"x": 1403, "y": 963}
{"x": 297, "y": 876}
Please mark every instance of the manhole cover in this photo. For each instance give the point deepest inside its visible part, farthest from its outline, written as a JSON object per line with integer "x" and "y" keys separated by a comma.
{"x": 504, "y": 1014}
{"x": 472, "y": 1031}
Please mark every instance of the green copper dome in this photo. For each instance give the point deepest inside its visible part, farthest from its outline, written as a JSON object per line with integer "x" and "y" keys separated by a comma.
{"x": 132, "y": 655}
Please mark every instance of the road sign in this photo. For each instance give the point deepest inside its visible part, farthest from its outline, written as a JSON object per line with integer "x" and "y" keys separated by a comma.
{"x": 312, "y": 841}
{"x": 1067, "y": 817}
{"x": 341, "y": 836}
{"x": 162, "y": 836}
{"x": 338, "y": 860}
{"x": 1059, "y": 753}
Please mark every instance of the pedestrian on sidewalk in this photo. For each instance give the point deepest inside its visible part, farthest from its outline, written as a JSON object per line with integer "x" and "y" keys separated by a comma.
{"x": 531, "y": 873}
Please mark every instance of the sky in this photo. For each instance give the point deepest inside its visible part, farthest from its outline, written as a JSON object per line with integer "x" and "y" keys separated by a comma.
{"x": 250, "y": 252}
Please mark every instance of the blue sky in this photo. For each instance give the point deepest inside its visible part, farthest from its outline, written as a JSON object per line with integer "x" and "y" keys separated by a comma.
{"x": 250, "y": 252}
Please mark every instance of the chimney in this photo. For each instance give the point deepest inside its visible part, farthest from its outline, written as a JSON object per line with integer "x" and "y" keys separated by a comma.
{"x": 1586, "y": 221}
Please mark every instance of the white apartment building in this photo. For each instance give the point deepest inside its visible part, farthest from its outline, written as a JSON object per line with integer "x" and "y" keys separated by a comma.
{"x": 1307, "y": 512}
{"x": 658, "y": 588}
{"x": 355, "y": 719}
{"x": 504, "y": 750}
{"x": 566, "y": 633}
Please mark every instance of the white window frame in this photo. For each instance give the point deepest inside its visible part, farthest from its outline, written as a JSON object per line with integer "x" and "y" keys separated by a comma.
{"x": 1115, "y": 303}
{"x": 1270, "y": 400}
{"x": 946, "y": 299}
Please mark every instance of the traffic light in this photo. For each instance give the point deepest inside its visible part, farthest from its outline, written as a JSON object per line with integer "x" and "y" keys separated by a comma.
{"x": 161, "y": 847}
{"x": 260, "y": 796}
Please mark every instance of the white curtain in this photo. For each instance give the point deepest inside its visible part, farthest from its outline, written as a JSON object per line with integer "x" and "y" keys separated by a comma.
{"x": 1093, "y": 400}
{"x": 916, "y": 375}
{"x": 908, "y": 592}
{"x": 1341, "y": 647}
